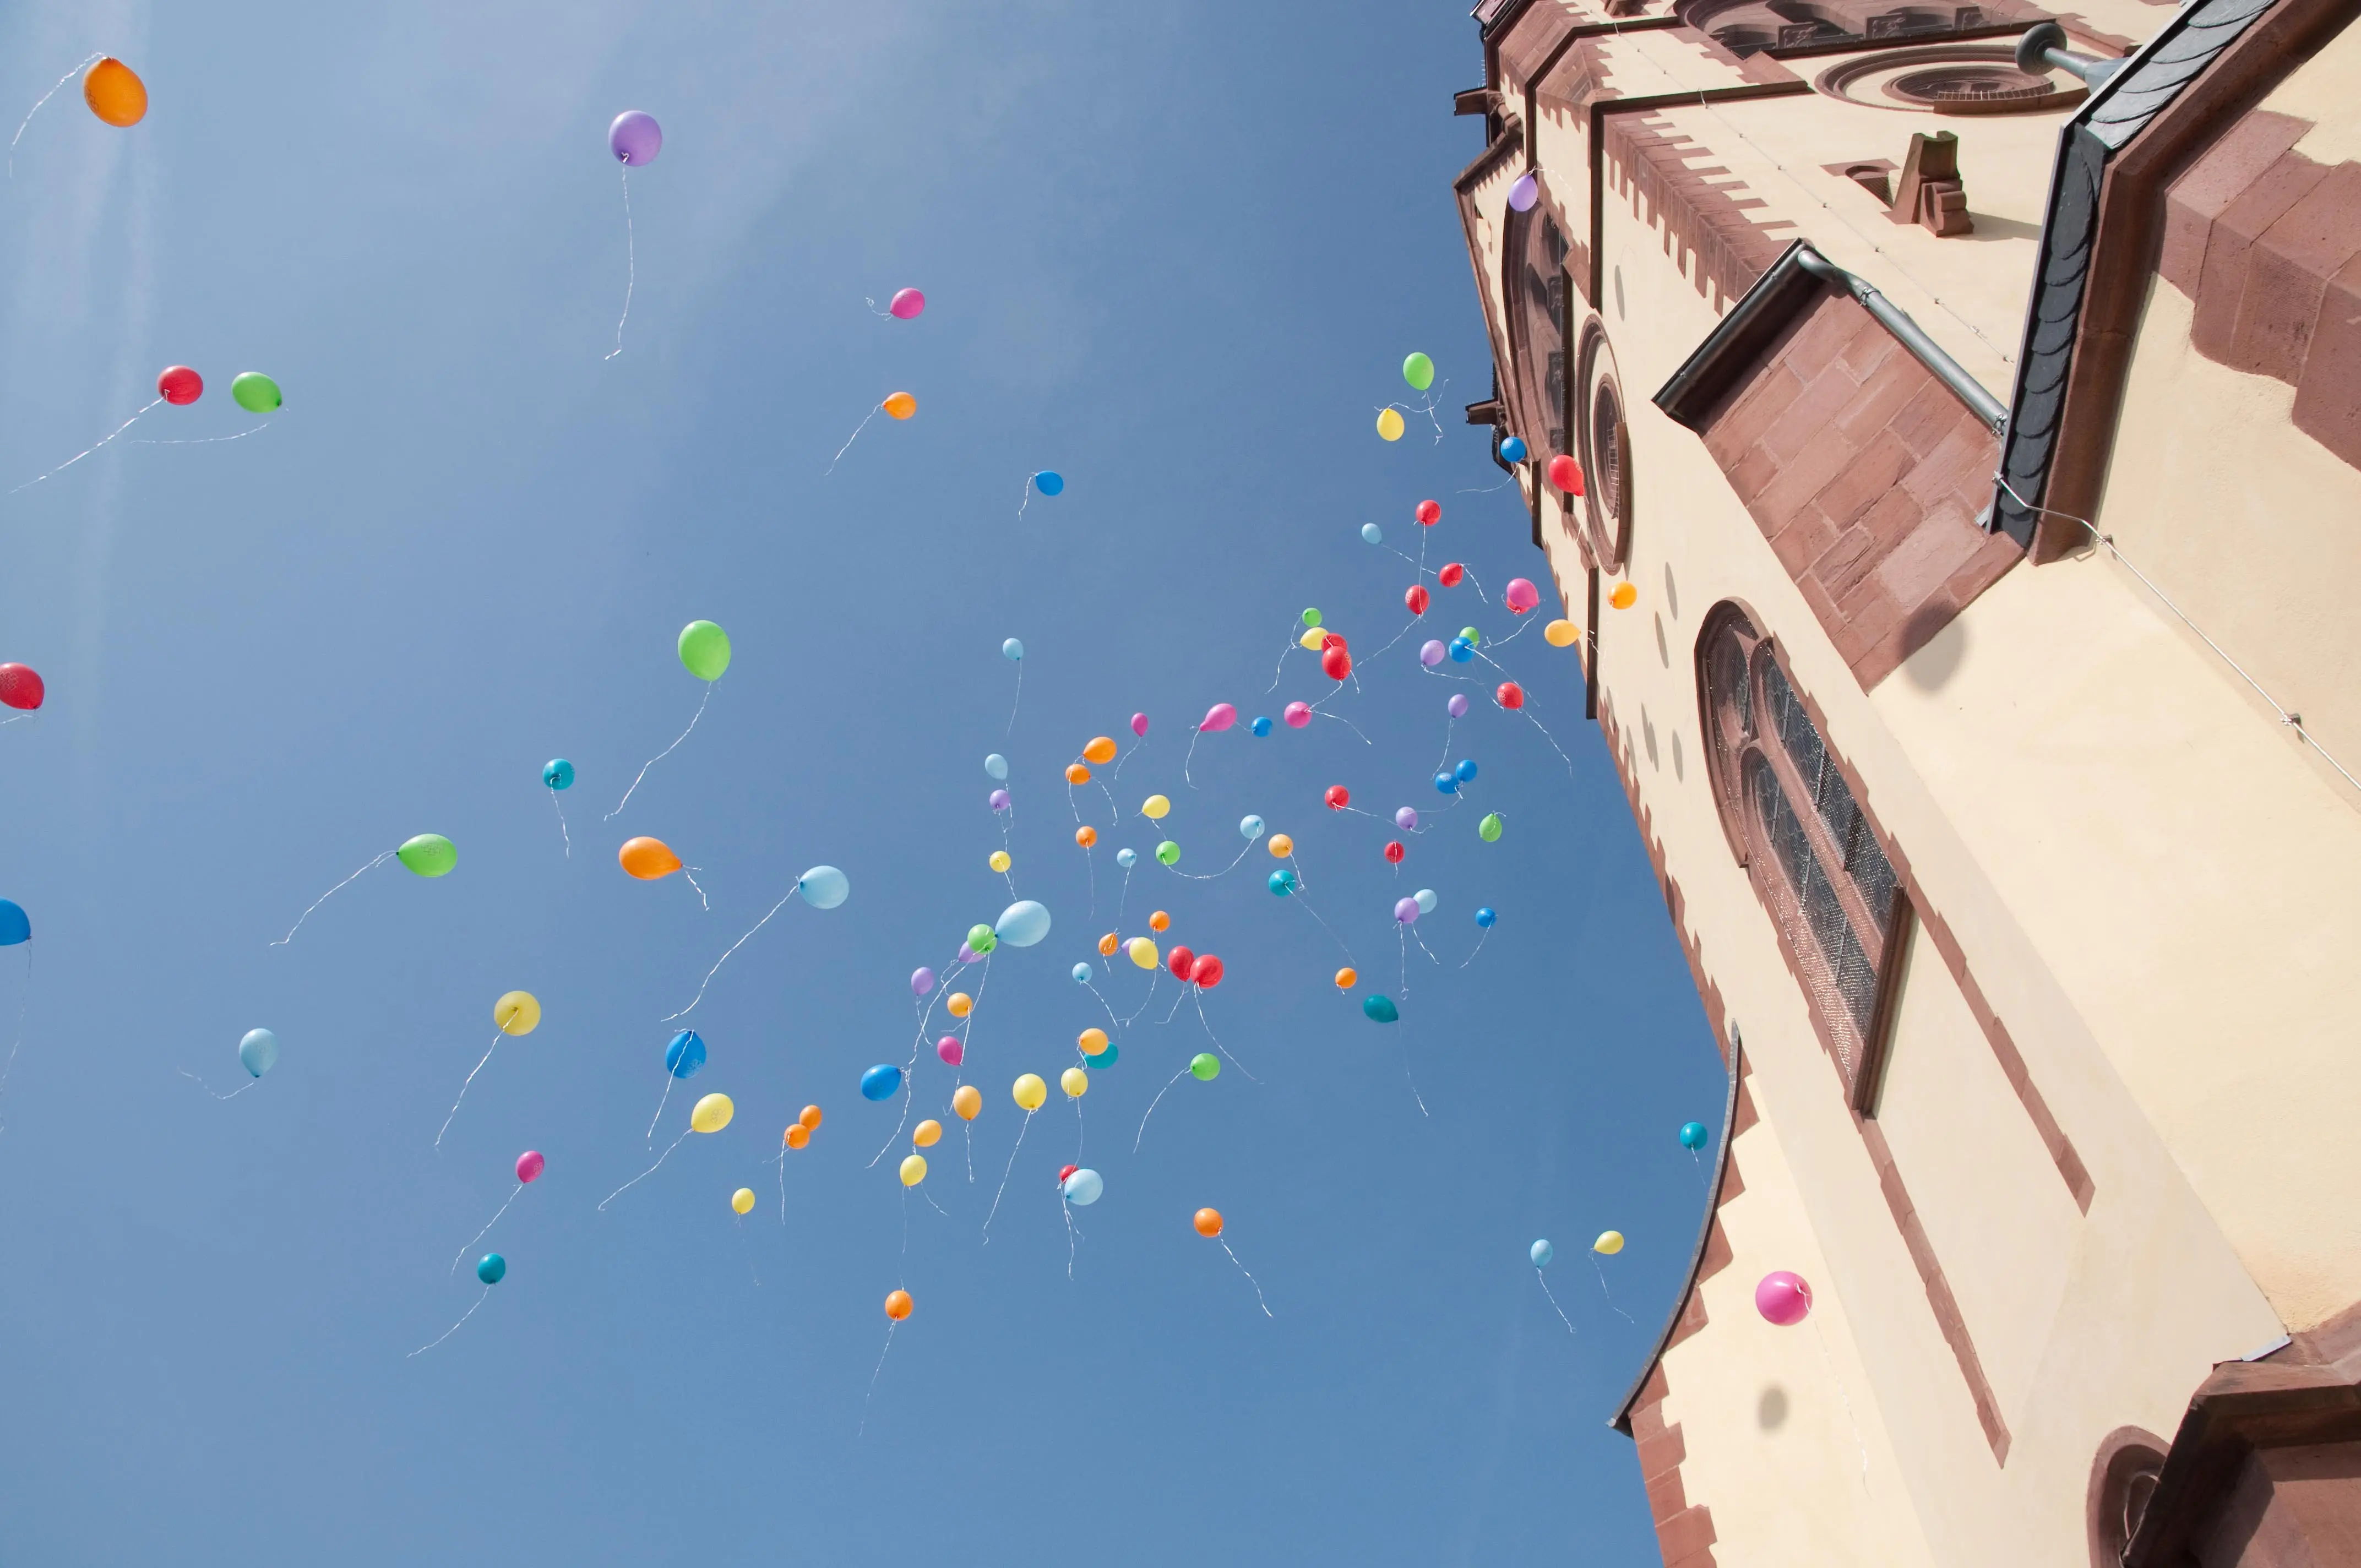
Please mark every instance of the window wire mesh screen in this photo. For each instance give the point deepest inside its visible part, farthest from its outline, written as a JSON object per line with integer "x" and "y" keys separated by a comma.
{"x": 1844, "y": 984}
{"x": 1864, "y": 862}
{"x": 1727, "y": 673}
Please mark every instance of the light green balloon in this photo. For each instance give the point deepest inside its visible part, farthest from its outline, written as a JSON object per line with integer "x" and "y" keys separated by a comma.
{"x": 1474, "y": 638}
{"x": 982, "y": 940}
{"x": 1419, "y": 371}
{"x": 1206, "y": 1067}
{"x": 1167, "y": 853}
{"x": 429, "y": 854}
{"x": 704, "y": 650}
{"x": 255, "y": 392}
{"x": 1489, "y": 829}
{"x": 1310, "y": 618}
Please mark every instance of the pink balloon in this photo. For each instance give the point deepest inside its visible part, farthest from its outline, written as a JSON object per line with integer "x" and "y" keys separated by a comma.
{"x": 529, "y": 1165}
{"x": 1521, "y": 594}
{"x": 906, "y": 304}
{"x": 1782, "y": 1298}
{"x": 1297, "y": 714}
{"x": 950, "y": 1050}
{"x": 1139, "y": 725}
{"x": 1221, "y": 716}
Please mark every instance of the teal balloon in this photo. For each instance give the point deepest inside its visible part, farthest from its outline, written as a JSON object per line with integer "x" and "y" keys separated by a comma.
{"x": 558, "y": 773}
{"x": 493, "y": 1269}
{"x": 1693, "y": 1135}
{"x": 1380, "y": 1010}
{"x": 1283, "y": 882}
{"x": 1204, "y": 1067}
{"x": 1106, "y": 1059}
{"x": 1021, "y": 925}
{"x": 258, "y": 1052}
{"x": 1167, "y": 853}
{"x": 824, "y": 887}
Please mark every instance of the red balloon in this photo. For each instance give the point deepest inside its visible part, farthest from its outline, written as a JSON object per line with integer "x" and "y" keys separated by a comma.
{"x": 1429, "y": 513}
{"x": 1510, "y": 694}
{"x": 1336, "y": 663}
{"x": 1394, "y": 852}
{"x": 1182, "y": 962}
{"x": 1208, "y": 972}
{"x": 20, "y": 687}
{"x": 180, "y": 385}
{"x": 1334, "y": 639}
{"x": 1065, "y": 1171}
{"x": 1565, "y": 474}
{"x": 1451, "y": 573}
{"x": 1416, "y": 599}
{"x": 1338, "y": 798}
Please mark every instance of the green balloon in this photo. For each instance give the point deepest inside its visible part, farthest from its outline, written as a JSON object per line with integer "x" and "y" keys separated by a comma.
{"x": 1310, "y": 618}
{"x": 1167, "y": 853}
{"x": 429, "y": 854}
{"x": 256, "y": 392}
{"x": 704, "y": 650}
{"x": 1474, "y": 638}
{"x": 1206, "y": 1067}
{"x": 1419, "y": 371}
{"x": 1489, "y": 829}
{"x": 982, "y": 940}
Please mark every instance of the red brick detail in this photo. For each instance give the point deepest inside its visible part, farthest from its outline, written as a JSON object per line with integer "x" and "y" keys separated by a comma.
{"x": 1707, "y": 227}
{"x": 1684, "y": 1530}
{"x": 2266, "y": 244}
{"x": 1865, "y": 474}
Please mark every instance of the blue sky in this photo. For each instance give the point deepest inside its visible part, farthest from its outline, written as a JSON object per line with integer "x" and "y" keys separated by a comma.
{"x": 1178, "y": 257}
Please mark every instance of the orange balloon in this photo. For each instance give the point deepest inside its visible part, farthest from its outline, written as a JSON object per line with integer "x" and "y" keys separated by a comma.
{"x": 648, "y": 859}
{"x": 1077, "y": 774}
{"x": 798, "y": 1135}
{"x": 967, "y": 1100}
{"x": 115, "y": 92}
{"x": 1209, "y": 1222}
{"x": 1624, "y": 597}
{"x": 1159, "y": 921}
{"x": 1108, "y": 944}
{"x": 959, "y": 1005}
{"x": 898, "y": 1305}
{"x": 1092, "y": 1042}
{"x": 1347, "y": 978}
{"x": 1100, "y": 750}
{"x": 811, "y": 1118}
{"x": 1281, "y": 846}
{"x": 1086, "y": 835}
{"x": 901, "y": 405}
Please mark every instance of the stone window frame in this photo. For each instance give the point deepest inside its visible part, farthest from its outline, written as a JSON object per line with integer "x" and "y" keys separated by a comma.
{"x": 1741, "y": 673}
{"x": 1607, "y": 498}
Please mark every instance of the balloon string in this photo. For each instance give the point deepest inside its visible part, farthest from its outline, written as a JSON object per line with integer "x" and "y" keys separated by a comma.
{"x": 660, "y": 756}
{"x": 479, "y": 1235}
{"x": 35, "y": 109}
{"x": 1477, "y": 949}
{"x": 645, "y": 1174}
{"x": 1112, "y": 1020}
{"x": 631, "y": 261}
{"x": 1190, "y": 756}
{"x": 1115, "y": 812}
{"x": 24, "y": 1001}
{"x": 454, "y": 1328}
{"x": 1555, "y": 1307}
{"x": 4, "y": 722}
{"x": 200, "y": 441}
{"x": 749, "y": 1253}
{"x": 1288, "y": 647}
{"x": 1325, "y": 926}
{"x": 562, "y": 832}
{"x": 671, "y": 1078}
{"x": 496, "y": 1033}
{"x": 208, "y": 1088}
{"x": 1177, "y": 1002}
{"x": 1423, "y": 947}
{"x": 1004, "y": 1177}
{"x": 871, "y": 303}
{"x": 1412, "y": 1082}
{"x": 690, "y": 873}
{"x": 724, "y": 959}
{"x": 969, "y": 1130}
{"x": 85, "y": 452}
{"x": 1603, "y": 1291}
{"x": 1486, "y": 489}
{"x": 1152, "y": 1106}
{"x": 882, "y": 1355}
{"x": 1078, "y": 1129}
{"x": 331, "y": 894}
{"x": 1208, "y": 876}
{"x": 1013, "y": 705}
{"x": 1135, "y": 745}
{"x": 1476, "y": 585}
{"x": 850, "y": 439}
{"x": 1125, "y": 894}
{"x": 1153, "y": 979}
{"x": 1346, "y": 723}
{"x": 1070, "y": 1233}
{"x": 1404, "y": 944}
{"x": 1450, "y": 723}
{"x": 783, "y": 1183}
{"x": 1090, "y": 869}
{"x": 1027, "y": 499}
{"x": 1397, "y": 636}
{"x": 1250, "y": 1278}
{"x": 1198, "y": 996}
{"x": 1553, "y": 740}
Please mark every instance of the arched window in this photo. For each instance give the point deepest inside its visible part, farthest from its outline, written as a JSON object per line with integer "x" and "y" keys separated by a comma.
{"x": 1812, "y": 852}
{"x": 1537, "y": 250}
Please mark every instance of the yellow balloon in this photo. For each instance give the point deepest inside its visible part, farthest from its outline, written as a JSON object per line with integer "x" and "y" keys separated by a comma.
{"x": 968, "y": 1100}
{"x": 712, "y": 1113}
{"x": 1092, "y": 1042}
{"x": 1030, "y": 1091}
{"x": 1608, "y": 1243}
{"x": 1000, "y": 860}
{"x": 1389, "y": 424}
{"x": 1075, "y": 1082}
{"x": 914, "y": 1170}
{"x": 1313, "y": 636}
{"x": 1281, "y": 846}
{"x": 1561, "y": 633}
{"x": 742, "y": 1200}
{"x": 1100, "y": 750}
{"x": 1154, "y": 807}
{"x": 517, "y": 1012}
{"x": 926, "y": 1134}
{"x": 959, "y": 1005}
{"x": 1143, "y": 952}
{"x": 900, "y": 405}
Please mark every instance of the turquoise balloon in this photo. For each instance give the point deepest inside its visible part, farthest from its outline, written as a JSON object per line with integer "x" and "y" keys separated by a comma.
{"x": 493, "y": 1269}
{"x": 558, "y": 773}
{"x": 1380, "y": 1010}
{"x": 1693, "y": 1135}
{"x": 1106, "y": 1059}
{"x": 1283, "y": 882}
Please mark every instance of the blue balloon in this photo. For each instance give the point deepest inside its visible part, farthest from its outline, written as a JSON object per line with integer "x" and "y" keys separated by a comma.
{"x": 1541, "y": 1253}
{"x": 1126, "y": 859}
{"x": 493, "y": 1269}
{"x": 557, "y": 772}
{"x": 1282, "y": 882}
{"x": 824, "y": 887}
{"x": 1380, "y": 1010}
{"x": 1693, "y": 1135}
{"x": 1022, "y": 923}
{"x": 258, "y": 1052}
{"x": 1250, "y": 828}
{"x": 1082, "y": 1189}
{"x": 15, "y": 926}
{"x": 1465, "y": 770}
{"x": 1485, "y": 916}
{"x": 1447, "y": 783}
{"x": 1081, "y": 974}
{"x": 1462, "y": 651}
{"x": 1105, "y": 1057}
{"x": 1373, "y": 533}
{"x": 997, "y": 765}
{"x": 1513, "y": 449}
{"x": 1050, "y": 482}
{"x": 880, "y": 1082}
{"x": 1261, "y": 725}
{"x": 685, "y": 1054}
{"x": 1011, "y": 650}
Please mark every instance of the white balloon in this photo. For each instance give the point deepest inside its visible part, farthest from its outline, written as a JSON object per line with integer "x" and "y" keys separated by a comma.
{"x": 1426, "y": 900}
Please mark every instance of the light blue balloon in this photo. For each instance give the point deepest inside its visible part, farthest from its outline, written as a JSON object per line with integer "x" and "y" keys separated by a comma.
{"x": 493, "y": 1269}
{"x": 1426, "y": 900}
{"x": 1373, "y": 533}
{"x": 1485, "y": 916}
{"x": 1050, "y": 482}
{"x": 558, "y": 773}
{"x": 1126, "y": 859}
{"x": 1022, "y": 923}
{"x": 997, "y": 765}
{"x": 824, "y": 887}
{"x": 1082, "y": 1188}
{"x": 1081, "y": 974}
{"x": 258, "y": 1052}
{"x": 684, "y": 1054}
{"x": 1011, "y": 650}
{"x": 1542, "y": 1253}
{"x": 1251, "y": 826}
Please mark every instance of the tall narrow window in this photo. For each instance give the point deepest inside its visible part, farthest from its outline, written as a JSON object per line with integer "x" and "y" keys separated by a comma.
{"x": 1537, "y": 250}
{"x": 1812, "y": 852}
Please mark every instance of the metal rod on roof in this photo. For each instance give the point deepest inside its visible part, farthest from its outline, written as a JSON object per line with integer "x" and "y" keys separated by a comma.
{"x": 1948, "y": 370}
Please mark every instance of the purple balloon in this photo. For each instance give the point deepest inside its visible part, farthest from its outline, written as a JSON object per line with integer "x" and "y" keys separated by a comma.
{"x": 1430, "y": 655}
{"x": 1458, "y": 705}
{"x": 1406, "y": 819}
{"x": 1524, "y": 193}
{"x": 922, "y": 980}
{"x": 1406, "y": 910}
{"x": 968, "y": 955}
{"x": 636, "y": 138}
{"x": 1000, "y": 800}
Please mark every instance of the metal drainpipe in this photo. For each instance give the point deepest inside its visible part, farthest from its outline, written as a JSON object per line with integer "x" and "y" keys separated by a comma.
{"x": 1948, "y": 370}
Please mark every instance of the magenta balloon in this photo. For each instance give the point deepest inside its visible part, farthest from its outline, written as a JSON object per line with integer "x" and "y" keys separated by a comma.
{"x": 906, "y": 304}
{"x": 1458, "y": 705}
{"x": 1524, "y": 193}
{"x": 1782, "y": 1298}
{"x": 529, "y": 1165}
{"x": 1000, "y": 800}
{"x": 950, "y": 1050}
{"x": 636, "y": 138}
{"x": 1430, "y": 655}
{"x": 1297, "y": 715}
{"x": 1521, "y": 594}
{"x": 922, "y": 980}
{"x": 1221, "y": 716}
{"x": 1139, "y": 725}
{"x": 1406, "y": 910}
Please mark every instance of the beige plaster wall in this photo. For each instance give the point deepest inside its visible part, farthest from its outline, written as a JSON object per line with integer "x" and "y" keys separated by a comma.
{"x": 2326, "y": 89}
